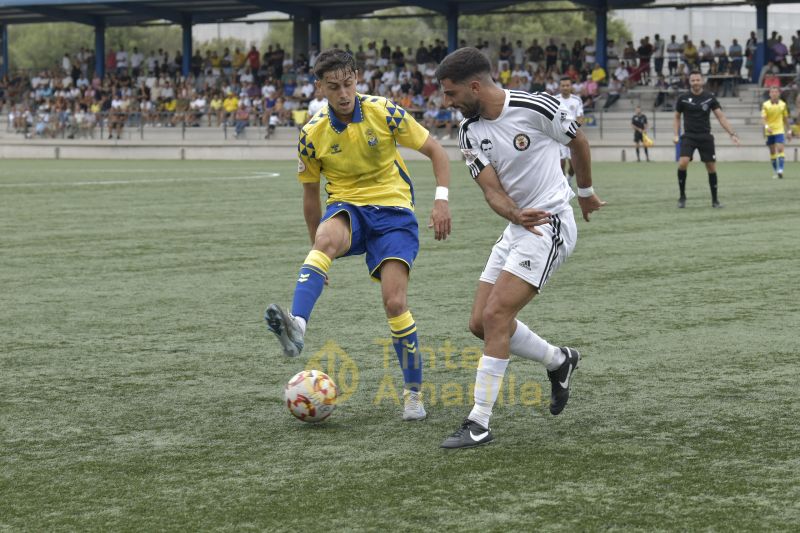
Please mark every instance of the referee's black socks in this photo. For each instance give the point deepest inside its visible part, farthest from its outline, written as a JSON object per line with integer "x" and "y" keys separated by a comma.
{"x": 712, "y": 183}
{"x": 682, "y": 182}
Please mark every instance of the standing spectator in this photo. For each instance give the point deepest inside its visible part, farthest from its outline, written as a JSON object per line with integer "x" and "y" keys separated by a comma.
{"x": 506, "y": 53}
{"x": 385, "y": 54}
{"x": 750, "y": 50}
{"x": 422, "y": 56}
{"x": 398, "y": 60}
{"x": 721, "y": 57}
{"x": 658, "y": 55}
{"x": 779, "y": 50}
{"x": 564, "y": 56}
{"x": 254, "y": 59}
{"x": 589, "y": 53}
{"x": 550, "y": 55}
{"x": 612, "y": 55}
{"x": 735, "y": 53}
{"x": 519, "y": 56}
{"x": 122, "y": 61}
{"x": 705, "y": 54}
{"x": 137, "y": 58}
{"x": 644, "y": 52}
{"x": 673, "y": 55}
{"x": 535, "y": 55}
{"x": 577, "y": 55}
{"x": 111, "y": 61}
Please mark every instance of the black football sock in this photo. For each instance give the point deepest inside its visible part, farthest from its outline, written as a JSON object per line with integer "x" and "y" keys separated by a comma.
{"x": 682, "y": 182}
{"x": 712, "y": 183}
{"x": 637, "y": 154}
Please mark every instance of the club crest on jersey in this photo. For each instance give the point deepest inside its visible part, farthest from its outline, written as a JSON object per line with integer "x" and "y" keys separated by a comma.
{"x": 522, "y": 142}
{"x": 372, "y": 139}
{"x": 705, "y": 107}
{"x": 301, "y": 167}
{"x": 335, "y": 149}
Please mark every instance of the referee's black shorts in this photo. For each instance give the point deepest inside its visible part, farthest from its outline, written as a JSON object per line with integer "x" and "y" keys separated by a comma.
{"x": 637, "y": 137}
{"x": 703, "y": 143}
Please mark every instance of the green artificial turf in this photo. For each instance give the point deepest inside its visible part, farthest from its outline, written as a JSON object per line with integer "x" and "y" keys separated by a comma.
{"x": 140, "y": 390}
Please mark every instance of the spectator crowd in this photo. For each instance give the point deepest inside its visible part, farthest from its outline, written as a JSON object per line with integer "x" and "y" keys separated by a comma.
{"x": 269, "y": 88}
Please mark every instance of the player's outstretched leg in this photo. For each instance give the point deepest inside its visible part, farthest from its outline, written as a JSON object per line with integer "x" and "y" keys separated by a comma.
{"x": 286, "y": 328}
{"x": 290, "y": 328}
{"x": 561, "y": 379}
{"x": 468, "y": 435}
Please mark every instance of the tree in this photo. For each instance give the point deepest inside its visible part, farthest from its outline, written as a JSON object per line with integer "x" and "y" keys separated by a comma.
{"x": 37, "y": 46}
{"x": 406, "y": 32}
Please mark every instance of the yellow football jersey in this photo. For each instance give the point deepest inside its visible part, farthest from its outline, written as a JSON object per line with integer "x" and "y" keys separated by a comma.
{"x": 360, "y": 160}
{"x": 775, "y": 113}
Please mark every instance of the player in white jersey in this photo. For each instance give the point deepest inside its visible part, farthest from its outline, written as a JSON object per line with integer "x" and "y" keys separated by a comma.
{"x": 574, "y": 106}
{"x": 510, "y": 142}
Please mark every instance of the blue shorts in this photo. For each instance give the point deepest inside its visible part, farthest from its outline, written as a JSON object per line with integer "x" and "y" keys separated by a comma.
{"x": 381, "y": 232}
{"x": 775, "y": 139}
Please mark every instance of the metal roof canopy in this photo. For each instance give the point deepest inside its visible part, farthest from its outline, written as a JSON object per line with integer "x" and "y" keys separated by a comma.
{"x": 132, "y": 12}
{"x": 105, "y": 13}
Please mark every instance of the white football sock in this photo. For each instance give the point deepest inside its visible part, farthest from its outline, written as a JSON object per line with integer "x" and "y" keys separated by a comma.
{"x": 488, "y": 379}
{"x": 525, "y": 343}
{"x": 301, "y": 322}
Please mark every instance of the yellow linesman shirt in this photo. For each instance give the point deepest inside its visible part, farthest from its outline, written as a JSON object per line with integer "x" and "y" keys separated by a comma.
{"x": 775, "y": 113}
{"x": 360, "y": 160}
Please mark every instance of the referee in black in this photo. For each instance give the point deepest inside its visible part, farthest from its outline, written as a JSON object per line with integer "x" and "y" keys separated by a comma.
{"x": 696, "y": 105}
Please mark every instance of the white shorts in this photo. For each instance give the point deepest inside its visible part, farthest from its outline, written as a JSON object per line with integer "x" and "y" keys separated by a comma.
{"x": 565, "y": 153}
{"x": 530, "y": 257}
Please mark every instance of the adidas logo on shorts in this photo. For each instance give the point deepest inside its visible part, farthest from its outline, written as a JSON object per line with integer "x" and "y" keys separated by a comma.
{"x": 525, "y": 264}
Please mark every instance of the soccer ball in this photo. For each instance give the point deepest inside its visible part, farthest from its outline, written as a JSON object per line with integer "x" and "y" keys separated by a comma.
{"x": 311, "y": 395}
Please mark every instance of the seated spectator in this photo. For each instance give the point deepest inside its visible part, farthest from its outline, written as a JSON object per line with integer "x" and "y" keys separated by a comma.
{"x": 598, "y": 74}
{"x": 241, "y": 119}
{"x": 615, "y": 89}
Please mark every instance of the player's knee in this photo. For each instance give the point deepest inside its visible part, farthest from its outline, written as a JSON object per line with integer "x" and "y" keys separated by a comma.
{"x": 325, "y": 243}
{"x": 394, "y": 304}
{"x": 494, "y": 315}
{"x": 476, "y": 326}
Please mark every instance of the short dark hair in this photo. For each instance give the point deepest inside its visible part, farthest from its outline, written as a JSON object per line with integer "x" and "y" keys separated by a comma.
{"x": 695, "y": 71}
{"x": 332, "y": 60}
{"x": 463, "y": 64}
{"x": 565, "y": 78}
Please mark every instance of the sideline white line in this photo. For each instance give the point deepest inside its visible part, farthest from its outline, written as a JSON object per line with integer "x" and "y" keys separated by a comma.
{"x": 257, "y": 176}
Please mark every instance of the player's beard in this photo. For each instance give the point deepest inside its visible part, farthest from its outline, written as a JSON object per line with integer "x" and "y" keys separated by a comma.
{"x": 471, "y": 109}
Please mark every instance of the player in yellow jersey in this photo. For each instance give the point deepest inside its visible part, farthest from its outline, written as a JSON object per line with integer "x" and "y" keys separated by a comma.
{"x": 370, "y": 208}
{"x": 775, "y": 115}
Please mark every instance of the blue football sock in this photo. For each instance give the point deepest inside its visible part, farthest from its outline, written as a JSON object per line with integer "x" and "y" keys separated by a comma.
{"x": 310, "y": 283}
{"x": 404, "y": 339}
{"x": 781, "y": 160}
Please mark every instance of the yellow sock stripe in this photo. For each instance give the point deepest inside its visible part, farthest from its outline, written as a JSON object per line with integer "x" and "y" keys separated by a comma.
{"x": 402, "y": 325}
{"x": 319, "y": 260}
{"x": 782, "y": 154}
{"x": 773, "y": 156}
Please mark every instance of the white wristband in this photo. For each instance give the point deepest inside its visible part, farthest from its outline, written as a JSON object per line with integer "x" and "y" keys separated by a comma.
{"x": 588, "y": 192}
{"x": 441, "y": 193}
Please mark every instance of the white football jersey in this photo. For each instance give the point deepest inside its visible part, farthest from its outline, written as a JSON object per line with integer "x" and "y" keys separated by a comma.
{"x": 522, "y": 145}
{"x": 573, "y": 103}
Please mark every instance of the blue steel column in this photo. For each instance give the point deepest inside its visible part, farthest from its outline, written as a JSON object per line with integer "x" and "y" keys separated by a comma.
{"x": 100, "y": 48}
{"x": 315, "y": 29}
{"x": 761, "y": 33}
{"x": 4, "y": 49}
{"x": 187, "y": 44}
{"x": 452, "y": 27}
{"x": 300, "y": 40}
{"x": 601, "y": 33}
